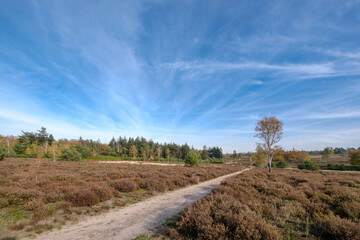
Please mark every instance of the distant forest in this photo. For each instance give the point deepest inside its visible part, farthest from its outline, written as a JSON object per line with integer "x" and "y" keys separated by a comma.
{"x": 41, "y": 144}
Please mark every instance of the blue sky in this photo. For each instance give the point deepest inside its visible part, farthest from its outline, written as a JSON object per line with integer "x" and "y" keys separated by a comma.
{"x": 201, "y": 72}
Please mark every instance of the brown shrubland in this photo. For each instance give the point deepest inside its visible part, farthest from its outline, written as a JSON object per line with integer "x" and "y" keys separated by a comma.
{"x": 287, "y": 204}
{"x": 35, "y": 189}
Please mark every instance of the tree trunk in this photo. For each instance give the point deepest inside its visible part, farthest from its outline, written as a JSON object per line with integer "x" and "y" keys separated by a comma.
{"x": 270, "y": 158}
{"x": 8, "y": 145}
{"x": 46, "y": 147}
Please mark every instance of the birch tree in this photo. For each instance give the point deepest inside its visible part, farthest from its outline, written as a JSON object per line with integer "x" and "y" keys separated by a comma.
{"x": 269, "y": 130}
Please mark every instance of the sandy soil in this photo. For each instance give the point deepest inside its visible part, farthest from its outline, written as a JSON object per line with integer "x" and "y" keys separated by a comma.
{"x": 134, "y": 220}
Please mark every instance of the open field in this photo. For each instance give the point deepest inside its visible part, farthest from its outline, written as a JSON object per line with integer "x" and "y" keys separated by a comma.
{"x": 286, "y": 204}
{"x": 39, "y": 194}
{"x": 137, "y": 219}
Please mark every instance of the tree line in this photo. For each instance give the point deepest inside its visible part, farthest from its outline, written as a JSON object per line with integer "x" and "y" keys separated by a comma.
{"x": 41, "y": 144}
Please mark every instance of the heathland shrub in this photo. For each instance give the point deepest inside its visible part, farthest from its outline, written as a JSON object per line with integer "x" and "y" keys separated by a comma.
{"x": 65, "y": 187}
{"x": 281, "y": 164}
{"x": 125, "y": 185}
{"x": 288, "y": 205}
{"x": 2, "y": 152}
{"x": 221, "y": 216}
{"x": 309, "y": 165}
{"x": 338, "y": 228}
{"x": 70, "y": 155}
{"x": 192, "y": 158}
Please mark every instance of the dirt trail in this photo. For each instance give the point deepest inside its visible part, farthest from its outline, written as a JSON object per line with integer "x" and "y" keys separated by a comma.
{"x": 134, "y": 220}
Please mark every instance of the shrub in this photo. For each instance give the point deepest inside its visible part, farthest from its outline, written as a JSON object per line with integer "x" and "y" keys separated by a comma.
{"x": 309, "y": 165}
{"x": 216, "y": 160}
{"x": 125, "y": 185}
{"x": 82, "y": 197}
{"x": 223, "y": 217}
{"x": 11, "y": 154}
{"x": 354, "y": 157}
{"x": 70, "y": 155}
{"x": 281, "y": 164}
{"x": 2, "y": 152}
{"x": 337, "y": 228}
{"x": 192, "y": 158}
{"x": 331, "y": 167}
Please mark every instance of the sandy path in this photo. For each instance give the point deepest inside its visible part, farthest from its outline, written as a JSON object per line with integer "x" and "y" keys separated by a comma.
{"x": 134, "y": 220}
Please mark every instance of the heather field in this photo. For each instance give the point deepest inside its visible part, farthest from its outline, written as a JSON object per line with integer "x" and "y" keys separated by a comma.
{"x": 39, "y": 194}
{"x": 286, "y": 204}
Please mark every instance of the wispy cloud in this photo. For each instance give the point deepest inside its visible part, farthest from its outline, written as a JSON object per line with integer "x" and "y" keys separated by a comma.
{"x": 197, "y": 72}
{"x": 223, "y": 66}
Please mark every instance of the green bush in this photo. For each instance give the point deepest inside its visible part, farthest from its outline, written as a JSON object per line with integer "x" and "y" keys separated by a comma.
{"x": 11, "y": 154}
{"x": 216, "y": 160}
{"x": 70, "y": 155}
{"x": 281, "y": 164}
{"x": 2, "y": 152}
{"x": 192, "y": 158}
{"x": 309, "y": 165}
{"x": 331, "y": 167}
{"x": 354, "y": 157}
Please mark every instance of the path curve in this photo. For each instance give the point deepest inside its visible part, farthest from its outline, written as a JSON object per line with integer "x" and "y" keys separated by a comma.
{"x": 134, "y": 220}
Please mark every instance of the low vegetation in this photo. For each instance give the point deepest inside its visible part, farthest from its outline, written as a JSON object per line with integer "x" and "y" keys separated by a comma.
{"x": 39, "y": 194}
{"x": 309, "y": 165}
{"x": 287, "y": 204}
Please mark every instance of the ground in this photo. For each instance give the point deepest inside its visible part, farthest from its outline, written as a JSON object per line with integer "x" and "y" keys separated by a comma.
{"x": 38, "y": 194}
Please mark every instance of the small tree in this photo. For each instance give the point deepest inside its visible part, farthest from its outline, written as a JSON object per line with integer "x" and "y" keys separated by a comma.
{"x": 133, "y": 151}
{"x": 328, "y": 152}
{"x": 354, "y": 157}
{"x": 70, "y": 155}
{"x": 204, "y": 153}
{"x": 269, "y": 131}
{"x": 259, "y": 157}
{"x": 192, "y": 158}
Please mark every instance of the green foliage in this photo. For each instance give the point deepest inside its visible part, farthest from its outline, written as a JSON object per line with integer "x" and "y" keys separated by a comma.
{"x": 2, "y": 152}
{"x": 204, "y": 153}
{"x": 215, "y": 152}
{"x": 192, "y": 158}
{"x": 281, "y": 164}
{"x": 216, "y": 160}
{"x": 70, "y": 155}
{"x": 84, "y": 151}
{"x": 260, "y": 157}
{"x": 184, "y": 150}
{"x": 342, "y": 167}
{"x": 11, "y": 154}
{"x": 26, "y": 139}
{"x": 327, "y": 153}
{"x": 355, "y": 157}
{"x": 309, "y": 165}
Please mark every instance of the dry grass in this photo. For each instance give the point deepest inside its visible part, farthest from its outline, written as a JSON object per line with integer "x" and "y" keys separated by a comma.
{"x": 287, "y": 204}
{"x": 39, "y": 194}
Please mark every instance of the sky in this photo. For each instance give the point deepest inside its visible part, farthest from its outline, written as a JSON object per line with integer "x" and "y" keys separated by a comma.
{"x": 201, "y": 72}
